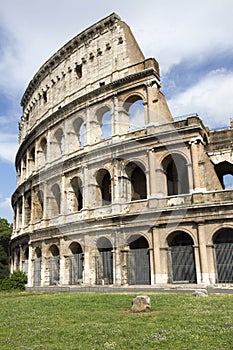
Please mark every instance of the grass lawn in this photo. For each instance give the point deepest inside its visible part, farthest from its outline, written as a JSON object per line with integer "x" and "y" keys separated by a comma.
{"x": 92, "y": 321}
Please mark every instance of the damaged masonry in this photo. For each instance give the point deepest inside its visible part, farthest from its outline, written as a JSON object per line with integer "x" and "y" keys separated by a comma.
{"x": 111, "y": 189}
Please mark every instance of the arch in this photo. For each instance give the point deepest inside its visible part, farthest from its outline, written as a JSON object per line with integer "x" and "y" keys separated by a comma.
{"x": 75, "y": 264}
{"x": 223, "y": 247}
{"x": 54, "y": 261}
{"x": 37, "y": 267}
{"x": 103, "y": 179}
{"x": 59, "y": 145}
{"x": 76, "y": 184}
{"x": 79, "y": 129}
{"x": 137, "y": 187}
{"x": 25, "y": 259}
{"x": 181, "y": 263}
{"x": 56, "y": 200}
{"x": 224, "y": 172}
{"x": 43, "y": 149}
{"x": 32, "y": 157}
{"x": 138, "y": 260}
{"x": 39, "y": 205}
{"x": 27, "y": 207}
{"x": 104, "y": 261}
{"x": 105, "y": 120}
{"x": 134, "y": 106}
{"x": 176, "y": 171}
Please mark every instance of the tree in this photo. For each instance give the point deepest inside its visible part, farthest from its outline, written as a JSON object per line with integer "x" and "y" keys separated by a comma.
{"x": 5, "y": 235}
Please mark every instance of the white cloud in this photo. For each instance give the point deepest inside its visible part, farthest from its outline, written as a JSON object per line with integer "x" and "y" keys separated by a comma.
{"x": 211, "y": 98}
{"x": 6, "y": 210}
{"x": 8, "y": 147}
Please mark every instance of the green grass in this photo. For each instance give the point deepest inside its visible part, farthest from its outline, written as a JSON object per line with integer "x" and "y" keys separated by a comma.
{"x": 92, "y": 321}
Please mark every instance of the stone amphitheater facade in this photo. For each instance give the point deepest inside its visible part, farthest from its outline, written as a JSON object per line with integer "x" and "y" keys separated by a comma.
{"x": 111, "y": 189}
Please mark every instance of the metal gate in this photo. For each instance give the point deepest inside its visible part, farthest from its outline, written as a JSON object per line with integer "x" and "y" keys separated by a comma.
{"x": 183, "y": 264}
{"x": 104, "y": 268}
{"x": 224, "y": 261}
{"x": 138, "y": 266}
{"x": 76, "y": 268}
{"x": 37, "y": 272}
{"x": 54, "y": 270}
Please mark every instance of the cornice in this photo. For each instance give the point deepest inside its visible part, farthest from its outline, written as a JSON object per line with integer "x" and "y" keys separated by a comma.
{"x": 62, "y": 54}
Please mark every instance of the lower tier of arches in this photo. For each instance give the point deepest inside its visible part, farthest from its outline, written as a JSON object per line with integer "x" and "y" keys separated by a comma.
{"x": 140, "y": 259}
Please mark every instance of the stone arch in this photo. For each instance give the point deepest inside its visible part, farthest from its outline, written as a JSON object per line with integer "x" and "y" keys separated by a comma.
{"x": 55, "y": 200}
{"x": 104, "y": 118}
{"x": 104, "y": 193}
{"x": 37, "y": 267}
{"x": 54, "y": 262}
{"x": 223, "y": 248}
{"x": 176, "y": 172}
{"x": 138, "y": 260}
{"x": 77, "y": 190}
{"x": 43, "y": 148}
{"x": 104, "y": 261}
{"x": 79, "y": 129}
{"x": 25, "y": 259}
{"x": 27, "y": 207}
{"x": 39, "y": 205}
{"x": 181, "y": 259}
{"x": 136, "y": 183}
{"x": 134, "y": 106}
{"x": 76, "y": 263}
{"x": 58, "y": 143}
{"x": 224, "y": 172}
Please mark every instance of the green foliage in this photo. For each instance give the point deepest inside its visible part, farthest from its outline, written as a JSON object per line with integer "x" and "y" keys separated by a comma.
{"x": 5, "y": 235}
{"x": 16, "y": 281}
{"x": 100, "y": 321}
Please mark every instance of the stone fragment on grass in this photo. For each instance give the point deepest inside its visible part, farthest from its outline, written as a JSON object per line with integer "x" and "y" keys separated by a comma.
{"x": 200, "y": 293}
{"x": 141, "y": 303}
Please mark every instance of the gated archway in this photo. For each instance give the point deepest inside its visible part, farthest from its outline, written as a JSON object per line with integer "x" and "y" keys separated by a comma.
{"x": 138, "y": 261}
{"x": 76, "y": 264}
{"x": 37, "y": 268}
{"x": 182, "y": 260}
{"x": 223, "y": 247}
{"x": 54, "y": 265}
{"x": 104, "y": 262}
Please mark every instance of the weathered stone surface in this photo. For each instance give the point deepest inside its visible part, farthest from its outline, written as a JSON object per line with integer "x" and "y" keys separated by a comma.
{"x": 141, "y": 303}
{"x": 200, "y": 293}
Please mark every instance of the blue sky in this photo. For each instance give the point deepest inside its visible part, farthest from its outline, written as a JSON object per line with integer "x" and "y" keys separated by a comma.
{"x": 192, "y": 41}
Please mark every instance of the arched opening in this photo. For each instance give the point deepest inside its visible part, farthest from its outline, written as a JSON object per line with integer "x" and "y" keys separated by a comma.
{"x": 54, "y": 265}
{"x": 31, "y": 159}
{"x": 138, "y": 261}
{"x": 39, "y": 205}
{"x": 37, "y": 267}
{"x": 56, "y": 200}
{"x": 104, "y": 181}
{"x": 76, "y": 264}
{"x": 27, "y": 207}
{"x": 104, "y": 262}
{"x": 224, "y": 171}
{"x": 76, "y": 184}
{"x": 20, "y": 211}
{"x": 134, "y": 105}
{"x": 105, "y": 120}
{"x": 175, "y": 168}
{"x": 25, "y": 260}
{"x": 223, "y": 246}
{"x": 79, "y": 129}
{"x": 181, "y": 261}
{"x": 43, "y": 149}
{"x": 59, "y": 142}
{"x": 137, "y": 182}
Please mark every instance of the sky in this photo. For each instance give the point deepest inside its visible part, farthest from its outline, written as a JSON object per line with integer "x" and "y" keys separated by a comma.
{"x": 192, "y": 41}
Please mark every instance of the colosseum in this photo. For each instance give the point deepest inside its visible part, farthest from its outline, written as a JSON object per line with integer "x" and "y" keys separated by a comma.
{"x": 111, "y": 189}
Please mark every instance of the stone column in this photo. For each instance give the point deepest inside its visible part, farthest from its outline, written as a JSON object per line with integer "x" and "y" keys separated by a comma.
{"x": 152, "y": 178}
{"x": 30, "y": 266}
{"x": 194, "y": 148}
{"x": 203, "y": 252}
{"x": 156, "y": 256}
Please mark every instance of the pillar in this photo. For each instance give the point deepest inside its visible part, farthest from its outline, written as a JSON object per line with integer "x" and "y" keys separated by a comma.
{"x": 203, "y": 253}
